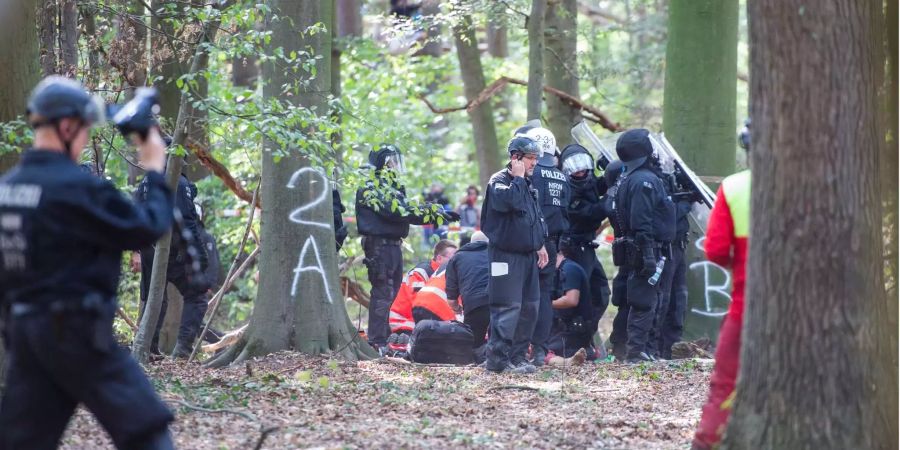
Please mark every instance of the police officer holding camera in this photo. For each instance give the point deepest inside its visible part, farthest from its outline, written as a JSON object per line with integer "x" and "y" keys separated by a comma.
{"x": 383, "y": 216}
{"x": 511, "y": 218}
{"x": 647, "y": 217}
{"x": 63, "y": 232}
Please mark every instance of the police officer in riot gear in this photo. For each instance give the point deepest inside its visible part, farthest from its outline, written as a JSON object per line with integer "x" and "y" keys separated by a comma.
{"x": 619, "y": 335}
{"x": 511, "y": 218}
{"x": 586, "y": 212}
{"x": 647, "y": 216}
{"x": 553, "y": 197}
{"x": 63, "y": 232}
{"x": 383, "y": 216}
{"x": 192, "y": 284}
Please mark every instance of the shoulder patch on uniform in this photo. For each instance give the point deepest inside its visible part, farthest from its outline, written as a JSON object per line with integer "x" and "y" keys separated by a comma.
{"x": 648, "y": 185}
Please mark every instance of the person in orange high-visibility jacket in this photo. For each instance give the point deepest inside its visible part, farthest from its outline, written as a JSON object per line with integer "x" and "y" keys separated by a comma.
{"x": 400, "y": 318}
{"x": 431, "y": 301}
{"x": 726, "y": 245}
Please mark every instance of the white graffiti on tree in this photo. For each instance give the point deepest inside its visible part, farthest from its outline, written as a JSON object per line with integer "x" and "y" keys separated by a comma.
{"x": 711, "y": 290}
{"x": 310, "y": 243}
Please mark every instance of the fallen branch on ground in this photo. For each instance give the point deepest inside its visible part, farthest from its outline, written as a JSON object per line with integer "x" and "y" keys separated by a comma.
{"x": 228, "y": 339}
{"x": 514, "y": 387}
{"x": 208, "y": 410}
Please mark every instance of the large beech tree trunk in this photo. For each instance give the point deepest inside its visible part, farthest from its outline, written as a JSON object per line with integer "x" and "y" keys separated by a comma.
{"x": 816, "y": 362}
{"x": 561, "y": 67}
{"x": 299, "y": 305}
{"x": 482, "y": 117}
{"x": 700, "y": 101}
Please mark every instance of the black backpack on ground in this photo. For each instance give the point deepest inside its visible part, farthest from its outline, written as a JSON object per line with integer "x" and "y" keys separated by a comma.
{"x": 438, "y": 342}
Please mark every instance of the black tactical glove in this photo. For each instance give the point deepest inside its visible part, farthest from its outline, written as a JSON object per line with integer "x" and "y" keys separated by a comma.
{"x": 648, "y": 262}
{"x": 451, "y": 216}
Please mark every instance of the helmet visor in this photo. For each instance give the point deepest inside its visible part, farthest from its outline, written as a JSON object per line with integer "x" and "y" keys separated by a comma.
{"x": 577, "y": 163}
{"x": 394, "y": 161}
{"x": 95, "y": 111}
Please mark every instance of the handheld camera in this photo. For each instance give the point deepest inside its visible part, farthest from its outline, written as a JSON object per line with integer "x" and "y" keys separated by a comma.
{"x": 138, "y": 115}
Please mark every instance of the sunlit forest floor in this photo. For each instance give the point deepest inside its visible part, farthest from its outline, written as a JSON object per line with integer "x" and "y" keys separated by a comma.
{"x": 291, "y": 401}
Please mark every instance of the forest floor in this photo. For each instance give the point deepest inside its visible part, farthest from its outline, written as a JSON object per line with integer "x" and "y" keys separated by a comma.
{"x": 287, "y": 400}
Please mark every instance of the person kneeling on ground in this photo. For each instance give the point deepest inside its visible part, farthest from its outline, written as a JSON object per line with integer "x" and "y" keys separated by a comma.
{"x": 572, "y": 331}
{"x": 401, "y": 316}
{"x": 468, "y": 274}
{"x": 431, "y": 303}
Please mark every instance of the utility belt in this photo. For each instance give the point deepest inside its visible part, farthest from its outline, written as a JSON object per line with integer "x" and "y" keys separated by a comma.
{"x": 626, "y": 252}
{"x": 378, "y": 240}
{"x": 91, "y": 303}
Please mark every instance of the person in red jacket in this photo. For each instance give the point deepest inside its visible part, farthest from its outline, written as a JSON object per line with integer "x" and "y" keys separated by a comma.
{"x": 726, "y": 245}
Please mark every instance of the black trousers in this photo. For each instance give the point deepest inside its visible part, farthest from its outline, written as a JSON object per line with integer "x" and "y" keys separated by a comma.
{"x": 586, "y": 257}
{"x": 654, "y": 346}
{"x": 385, "y": 268}
{"x": 642, "y": 301}
{"x": 195, "y": 298}
{"x": 619, "y": 335}
{"x": 672, "y": 318}
{"x": 57, "y": 362}
{"x": 514, "y": 297}
{"x": 419, "y": 314}
{"x": 546, "y": 279}
{"x": 478, "y": 319}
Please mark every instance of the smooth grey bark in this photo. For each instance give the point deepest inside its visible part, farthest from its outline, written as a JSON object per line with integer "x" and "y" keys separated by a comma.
{"x": 701, "y": 84}
{"x": 497, "y": 40}
{"x": 816, "y": 365}
{"x": 482, "y": 117}
{"x": 561, "y": 67}
{"x": 299, "y": 304}
{"x": 534, "y": 98}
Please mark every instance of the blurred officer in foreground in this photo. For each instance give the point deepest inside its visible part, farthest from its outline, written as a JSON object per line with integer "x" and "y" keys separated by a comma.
{"x": 647, "y": 217}
{"x": 63, "y": 232}
{"x": 553, "y": 198}
{"x": 511, "y": 219}
{"x": 383, "y": 216}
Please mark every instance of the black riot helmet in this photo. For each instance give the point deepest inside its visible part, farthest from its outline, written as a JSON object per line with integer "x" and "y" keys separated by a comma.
{"x": 613, "y": 170}
{"x": 57, "y": 97}
{"x": 386, "y": 156}
{"x": 524, "y": 146}
{"x": 575, "y": 158}
{"x": 744, "y": 136}
{"x": 634, "y": 148}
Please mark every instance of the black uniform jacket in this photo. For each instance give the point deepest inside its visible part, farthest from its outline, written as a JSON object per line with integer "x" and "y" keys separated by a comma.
{"x": 62, "y": 231}
{"x": 510, "y": 216}
{"x": 468, "y": 273}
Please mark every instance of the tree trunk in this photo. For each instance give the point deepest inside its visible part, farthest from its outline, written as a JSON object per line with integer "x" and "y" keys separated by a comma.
{"x": 534, "y": 98}
{"x": 347, "y": 23}
{"x": 299, "y": 305}
{"x": 497, "y": 41}
{"x": 701, "y": 84}
{"x": 561, "y": 67}
{"x": 482, "y": 117}
{"x": 349, "y": 17}
{"x": 68, "y": 37}
{"x": 168, "y": 333}
{"x": 90, "y": 29}
{"x": 48, "y": 16}
{"x": 816, "y": 362}
{"x": 20, "y": 51}
{"x": 889, "y": 165}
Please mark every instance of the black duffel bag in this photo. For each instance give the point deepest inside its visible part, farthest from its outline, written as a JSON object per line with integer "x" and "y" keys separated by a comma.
{"x": 439, "y": 342}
